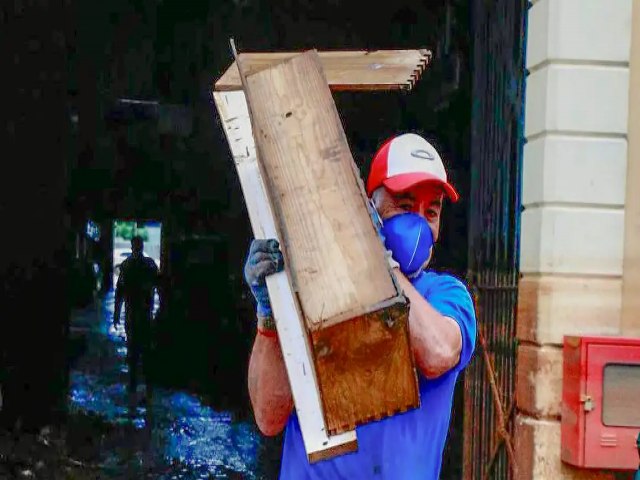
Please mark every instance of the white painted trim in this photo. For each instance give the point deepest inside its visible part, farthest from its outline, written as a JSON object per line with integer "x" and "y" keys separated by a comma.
{"x": 630, "y": 325}
{"x": 233, "y": 110}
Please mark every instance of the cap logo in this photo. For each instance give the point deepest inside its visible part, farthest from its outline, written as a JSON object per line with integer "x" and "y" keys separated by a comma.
{"x": 423, "y": 154}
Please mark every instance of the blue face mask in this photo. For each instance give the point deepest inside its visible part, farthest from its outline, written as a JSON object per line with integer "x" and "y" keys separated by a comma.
{"x": 409, "y": 239}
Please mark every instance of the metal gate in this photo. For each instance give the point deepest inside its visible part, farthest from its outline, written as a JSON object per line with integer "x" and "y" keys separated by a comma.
{"x": 498, "y": 72}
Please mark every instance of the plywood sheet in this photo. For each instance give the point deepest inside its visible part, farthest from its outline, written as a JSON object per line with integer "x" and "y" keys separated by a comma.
{"x": 331, "y": 248}
{"x": 232, "y": 108}
{"x": 344, "y": 70}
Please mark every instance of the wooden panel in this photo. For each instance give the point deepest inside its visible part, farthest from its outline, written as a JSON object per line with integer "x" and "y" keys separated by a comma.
{"x": 345, "y": 70}
{"x": 232, "y": 108}
{"x": 330, "y": 245}
{"x": 631, "y": 261}
{"x": 365, "y": 369}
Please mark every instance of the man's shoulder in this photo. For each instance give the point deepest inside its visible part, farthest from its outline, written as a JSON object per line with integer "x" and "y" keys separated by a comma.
{"x": 126, "y": 263}
{"x": 131, "y": 263}
{"x": 150, "y": 266}
{"x": 450, "y": 296}
{"x": 442, "y": 281}
{"x": 441, "y": 288}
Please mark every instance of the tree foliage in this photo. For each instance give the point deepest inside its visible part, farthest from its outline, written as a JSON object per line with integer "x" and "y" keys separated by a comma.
{"x": 127, "y": 230}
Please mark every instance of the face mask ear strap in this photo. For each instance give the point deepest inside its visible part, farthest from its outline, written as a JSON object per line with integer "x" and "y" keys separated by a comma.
{"x": 375, "y": 216}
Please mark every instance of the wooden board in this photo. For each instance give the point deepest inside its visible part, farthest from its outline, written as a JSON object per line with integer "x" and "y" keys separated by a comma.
{"x": 318, "y": 198}
{"x": 232, "y": 108}
{"x": 630, "y": 321}
{"x": 344, "y": 70}
{"x": 346, "y": 293}
{"x": 365, "y": 369}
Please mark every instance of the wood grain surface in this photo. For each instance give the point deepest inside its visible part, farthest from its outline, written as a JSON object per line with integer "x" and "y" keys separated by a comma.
{"x": 292, "y": 331}
{"x": 344, "y": 70}
{"x": 330, "y": 245}
{"x": 365, "y": 369}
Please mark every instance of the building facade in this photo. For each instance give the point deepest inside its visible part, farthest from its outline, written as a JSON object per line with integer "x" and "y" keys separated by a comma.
{"x": 579, "y": 171}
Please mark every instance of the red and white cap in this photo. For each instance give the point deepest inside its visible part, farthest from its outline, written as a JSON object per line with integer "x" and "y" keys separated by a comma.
{"x": 407, "y": 161}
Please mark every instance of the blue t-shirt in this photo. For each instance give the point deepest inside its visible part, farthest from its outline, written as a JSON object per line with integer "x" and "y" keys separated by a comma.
{"x": 406, "y": 446}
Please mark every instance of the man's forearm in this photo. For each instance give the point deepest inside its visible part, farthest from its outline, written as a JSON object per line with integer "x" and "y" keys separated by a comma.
{"x": 269, "y": 388}
{"x": 436, "y": 340}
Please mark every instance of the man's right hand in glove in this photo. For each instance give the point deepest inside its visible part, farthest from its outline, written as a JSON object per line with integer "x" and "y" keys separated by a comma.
{"x": 268, "y": 381}
{"x": 265, "y": 258}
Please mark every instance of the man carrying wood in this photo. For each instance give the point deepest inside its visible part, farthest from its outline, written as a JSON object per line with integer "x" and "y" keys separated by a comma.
{"x": 407, "y": 184}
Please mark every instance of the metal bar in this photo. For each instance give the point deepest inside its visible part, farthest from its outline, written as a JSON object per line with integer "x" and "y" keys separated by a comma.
{"x": 496, "y": 138}
{"x": 498, "y": 407}
{"x": 498, "y": 442}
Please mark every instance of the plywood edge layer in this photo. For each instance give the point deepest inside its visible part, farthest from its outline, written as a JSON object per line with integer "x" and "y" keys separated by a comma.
{"x": 348, "y": 447}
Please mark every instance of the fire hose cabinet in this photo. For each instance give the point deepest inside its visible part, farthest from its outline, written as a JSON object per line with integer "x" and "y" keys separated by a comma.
{"x": 600, "y": 402}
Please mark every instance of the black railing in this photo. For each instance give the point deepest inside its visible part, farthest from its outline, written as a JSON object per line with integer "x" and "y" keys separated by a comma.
{"x": 498, "y": 71}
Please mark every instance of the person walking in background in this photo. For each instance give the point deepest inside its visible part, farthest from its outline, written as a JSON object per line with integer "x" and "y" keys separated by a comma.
{"x": 135, "y": 286}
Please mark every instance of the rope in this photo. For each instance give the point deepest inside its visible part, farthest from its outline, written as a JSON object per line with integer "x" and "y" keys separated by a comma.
{"x": 503, "y": 418}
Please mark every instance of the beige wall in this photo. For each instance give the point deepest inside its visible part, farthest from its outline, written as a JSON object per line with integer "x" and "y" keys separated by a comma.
{"x": 574, "y": 172}
{"x": 630, "y": 322}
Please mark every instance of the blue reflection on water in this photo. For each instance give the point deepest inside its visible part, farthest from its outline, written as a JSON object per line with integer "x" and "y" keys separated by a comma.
{"x": 188, "y": 439}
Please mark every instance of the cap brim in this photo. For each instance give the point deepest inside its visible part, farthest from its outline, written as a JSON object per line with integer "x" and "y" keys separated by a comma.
{"x": 406, "y": 181}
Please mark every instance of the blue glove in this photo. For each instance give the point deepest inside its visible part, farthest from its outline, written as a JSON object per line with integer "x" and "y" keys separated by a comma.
{"x": 265, "y": 258}
{"x": 409, "y": 239}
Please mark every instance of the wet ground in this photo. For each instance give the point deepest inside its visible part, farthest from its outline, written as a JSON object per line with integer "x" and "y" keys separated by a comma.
{"x": 163, "y": 433}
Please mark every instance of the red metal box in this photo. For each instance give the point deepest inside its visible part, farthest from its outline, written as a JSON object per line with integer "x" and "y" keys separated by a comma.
{"x": 601, "y": 402}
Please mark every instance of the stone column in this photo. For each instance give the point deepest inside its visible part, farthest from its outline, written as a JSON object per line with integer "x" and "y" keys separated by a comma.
{"x": 573, "y": 196}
